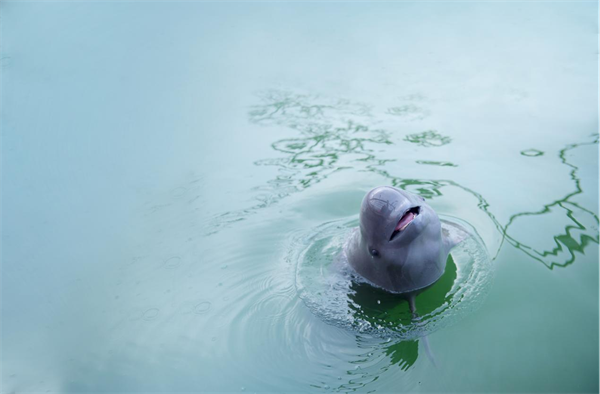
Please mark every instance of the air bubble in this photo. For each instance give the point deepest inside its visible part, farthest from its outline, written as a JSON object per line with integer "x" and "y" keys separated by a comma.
{"x": 202, "y": 307}
{"x": 151, "y": 314}
{"x": 172, "y": 262}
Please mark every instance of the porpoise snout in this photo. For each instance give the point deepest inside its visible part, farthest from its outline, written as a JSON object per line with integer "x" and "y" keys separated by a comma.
{"x": 387, "y": 215}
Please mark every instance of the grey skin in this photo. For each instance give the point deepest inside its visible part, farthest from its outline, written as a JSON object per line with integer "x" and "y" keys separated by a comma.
{"x": 399, "y": 245}
{"x": 406, "y": 260}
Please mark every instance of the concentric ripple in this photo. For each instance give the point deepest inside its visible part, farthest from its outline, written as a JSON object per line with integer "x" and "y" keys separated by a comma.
{"x": 336, "y": 294}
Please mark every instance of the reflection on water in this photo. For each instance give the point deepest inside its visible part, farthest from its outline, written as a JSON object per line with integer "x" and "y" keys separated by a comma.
{"x": 115, "y": 177}
{"x": 404, "y": 353}
{"x": 409, "y": 112}
{"x": 581, "y": 224}
{"x": 436, "y": 163}
{"x": 532, "y": 152}
{"x": 335, "y": 135}
{"x": 330, "y": 289}
{"x": 428, "y": 138}
{"x": 384, "y": 309}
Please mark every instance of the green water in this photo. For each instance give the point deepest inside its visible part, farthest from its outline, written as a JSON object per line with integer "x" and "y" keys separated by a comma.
{"x": 164, "y": 164}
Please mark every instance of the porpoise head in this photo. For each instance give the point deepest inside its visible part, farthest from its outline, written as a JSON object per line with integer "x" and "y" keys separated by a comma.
{"x": 400, "y": 245}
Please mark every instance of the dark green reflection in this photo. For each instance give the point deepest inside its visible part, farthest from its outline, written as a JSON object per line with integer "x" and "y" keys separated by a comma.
{"x": 573, "y": 240}
{"x": 404, "y": 354}
{"x": 329, "y": 130}
{"x": 428, "y": 138}
{"x": 576, "y": 235}
{"x": 532, "y": 152}
{"x": 436, "y": 163}
{"x": 381, "y": 308}
{"x": 333, "y": 135}
{"x": 337, "y": 135}
{"x": 409, "y": 111}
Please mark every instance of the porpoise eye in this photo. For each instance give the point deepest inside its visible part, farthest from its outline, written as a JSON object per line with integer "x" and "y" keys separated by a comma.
{"x": 374, "y": 252}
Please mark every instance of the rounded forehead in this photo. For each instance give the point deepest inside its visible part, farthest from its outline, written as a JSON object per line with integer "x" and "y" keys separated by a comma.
{"x": 384, "y": 199}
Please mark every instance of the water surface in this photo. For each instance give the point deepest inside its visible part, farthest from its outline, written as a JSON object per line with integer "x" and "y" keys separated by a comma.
{"x": 161, "y": 162}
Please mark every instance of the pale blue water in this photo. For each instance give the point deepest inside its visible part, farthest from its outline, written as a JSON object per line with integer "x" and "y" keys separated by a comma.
{"x": 168, "y": 167}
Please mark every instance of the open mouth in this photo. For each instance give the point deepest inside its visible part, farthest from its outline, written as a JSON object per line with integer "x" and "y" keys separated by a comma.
{"x": 405, "y": 220}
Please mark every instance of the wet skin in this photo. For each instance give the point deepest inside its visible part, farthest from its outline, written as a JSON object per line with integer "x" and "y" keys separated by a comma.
{"x": 399, "y": 245}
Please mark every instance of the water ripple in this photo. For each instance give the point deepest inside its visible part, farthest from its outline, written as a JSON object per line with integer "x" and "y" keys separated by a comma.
{"x": 331, "y": 290}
